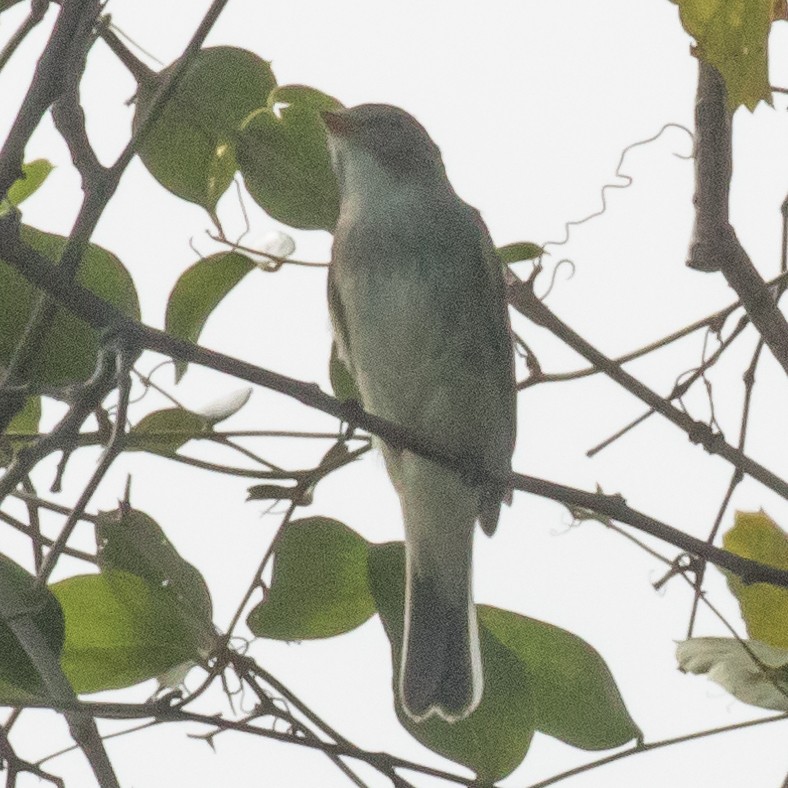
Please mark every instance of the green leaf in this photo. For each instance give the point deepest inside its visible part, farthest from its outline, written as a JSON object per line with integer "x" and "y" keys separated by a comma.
{"x": 494, "y": 739}
{"x": 342, "y": 382}
{"x": 283, "y": 156}
{"x": 23, "y": 424}
{"x": 34, "y": 173}
{"x": 516, "y": 252}
{"x": 575, "y": 696}
{"x": 69, "y": 351}
{"x": 733, "y": 36}
{"x": 190, "y": 147}
{"x": 19, "y": 596}
{"x": 198, "y": 291}
{"x": 120, "y": 631}
{"x": 319, "y": 585}
{"x": 764, "y": 607}
{"x": 165, "y": 431}
{"x": 130, "y": 541}
{"x": 27, "y": 420}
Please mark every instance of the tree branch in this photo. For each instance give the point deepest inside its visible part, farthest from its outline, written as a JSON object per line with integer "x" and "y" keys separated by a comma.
{"x": 46, "y": 86}
{"x": 523, "y": 298}
{"x": 715, "y": 246}
{"x": 100, "y": 314}
{"x": 717, "y": 318}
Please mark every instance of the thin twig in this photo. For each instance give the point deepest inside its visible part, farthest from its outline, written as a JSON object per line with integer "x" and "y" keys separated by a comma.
{"x": 133, "y": 64}
{"x": 25, "y": 529}
{"x": 61, "y": 65}
{"x": 63, "y": 437}
{"x": 297, "y": 728}
{"x": 15, "y": 765}
{"x": 647, "y": 747}
{"x": 717, "y": 318}
{"x": 680, "y": 388}
{"x": 276, "y": 259}
{"x": 24, "y": 495}
{"x": 124, "y": 360}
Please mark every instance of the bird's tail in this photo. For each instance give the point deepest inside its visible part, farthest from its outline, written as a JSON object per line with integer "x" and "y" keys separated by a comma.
{"x": 441, "y": 669}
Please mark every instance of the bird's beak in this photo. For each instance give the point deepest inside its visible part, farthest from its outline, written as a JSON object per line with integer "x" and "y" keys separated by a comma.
{"x": 337, "y": 123}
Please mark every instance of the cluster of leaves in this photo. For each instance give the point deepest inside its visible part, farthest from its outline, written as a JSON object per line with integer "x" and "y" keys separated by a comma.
{"x": 228, "y": 114}
{"x": 145, "y": 612}
{"x": 328, "y": 580}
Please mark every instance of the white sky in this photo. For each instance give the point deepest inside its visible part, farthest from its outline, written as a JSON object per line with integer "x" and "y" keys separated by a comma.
{"x": 531, "y": 104}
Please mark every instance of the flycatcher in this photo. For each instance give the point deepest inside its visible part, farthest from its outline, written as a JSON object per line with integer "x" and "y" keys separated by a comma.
{"x": 418, "y": 307}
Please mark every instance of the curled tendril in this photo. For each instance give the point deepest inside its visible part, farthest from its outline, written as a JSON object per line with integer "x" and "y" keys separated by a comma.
{"x": 628, "y": 180}
{"x": 561, "y": 262}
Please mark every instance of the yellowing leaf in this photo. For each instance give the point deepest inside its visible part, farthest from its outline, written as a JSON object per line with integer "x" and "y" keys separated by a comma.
{"x": 764, "y": 607}
{"x": 733, "y": 36}
{"x": 34, "y": 173}
{"x": 120, "y": 630}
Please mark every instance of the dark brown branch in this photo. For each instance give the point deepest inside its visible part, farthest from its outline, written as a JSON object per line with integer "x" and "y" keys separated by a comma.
{"x": 679, "y": 389}
{"x": 706, "y": 322}
{"x": 81, "y": 723}
{"x": 615, "y": 507}
{"x": 46, "y": 86}
{"x": 134, "y": 65}
{"x": 63, "y": 435}
{"x": 123, "y": 362}
{"x": 37, "y": 10}
{"x": 15, "y": 765}
{"x": 100, "y": 314}
{"x": 715, "y": 246}
{"x": 25, "y": 529}
{"x": 69, "y": 118}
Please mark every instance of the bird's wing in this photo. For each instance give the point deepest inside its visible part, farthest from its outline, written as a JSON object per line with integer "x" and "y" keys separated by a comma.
{"x": 499, "y": 452}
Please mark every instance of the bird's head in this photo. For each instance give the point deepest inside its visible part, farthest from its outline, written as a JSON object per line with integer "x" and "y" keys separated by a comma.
{"x": 384, "y": 135}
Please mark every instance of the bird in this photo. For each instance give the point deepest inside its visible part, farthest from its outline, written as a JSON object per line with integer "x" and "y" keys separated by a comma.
{"x": 418, "y": 308}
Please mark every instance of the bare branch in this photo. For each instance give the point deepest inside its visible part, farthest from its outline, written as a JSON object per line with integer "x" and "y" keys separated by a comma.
{"x": 715, "y": 246}
{"x": 522, "y": 297}
{"x": 37, "y": 10}
{"x": 67, "y": 37}
{"x": 133, "y": 64}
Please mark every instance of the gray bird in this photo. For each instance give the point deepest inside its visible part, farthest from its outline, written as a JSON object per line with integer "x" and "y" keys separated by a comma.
{"x": 418, "y": 307}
